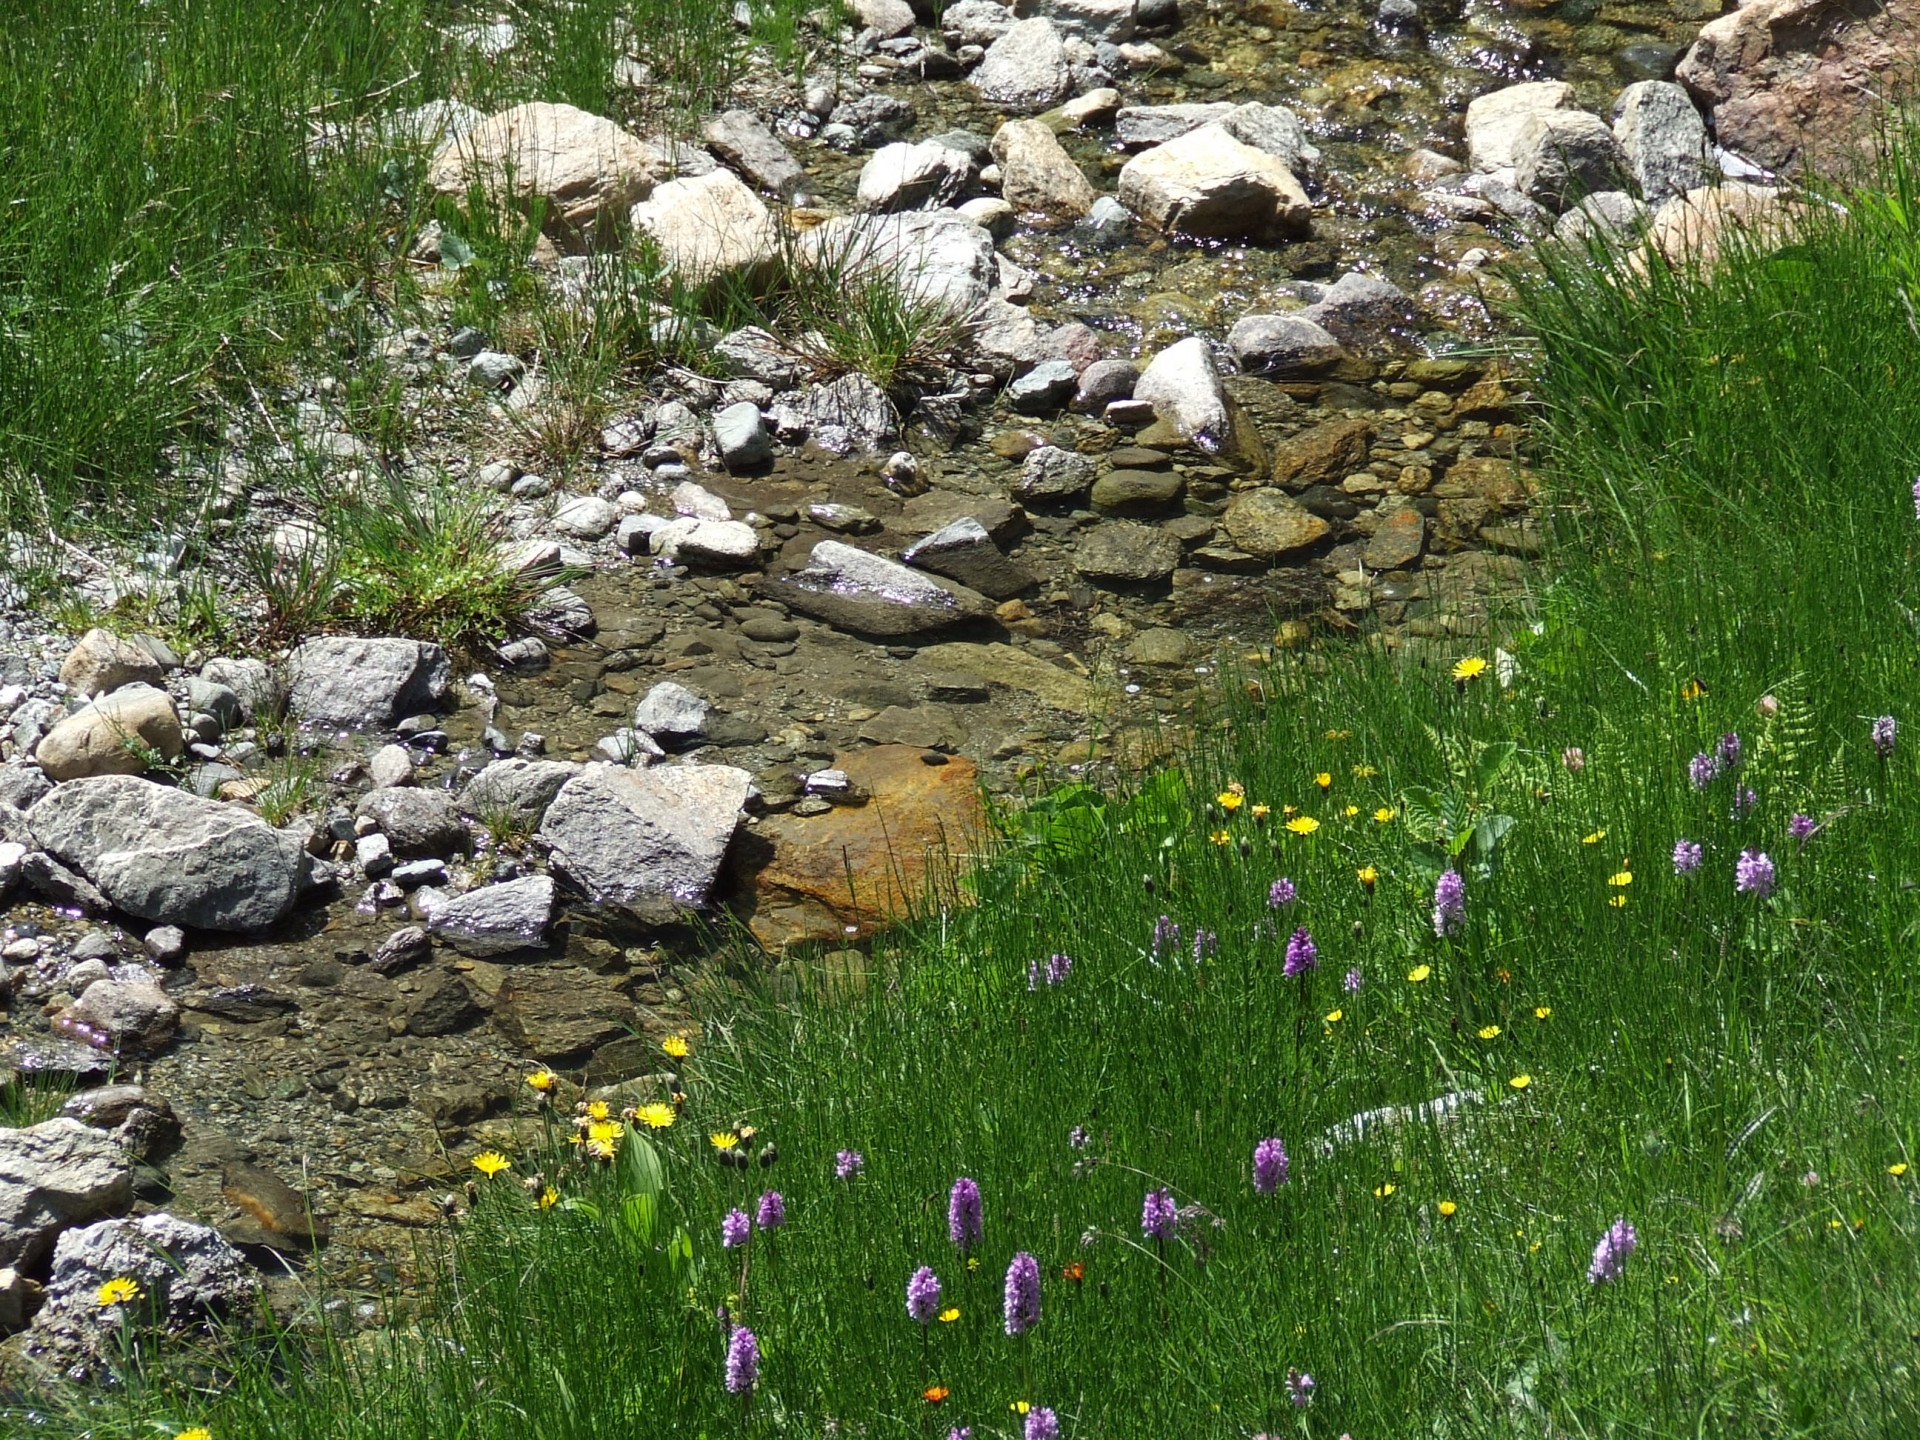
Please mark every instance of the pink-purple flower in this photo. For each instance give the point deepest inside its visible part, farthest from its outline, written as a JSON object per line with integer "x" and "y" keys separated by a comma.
{"x": 771, "y": 1213}
{"x": 1302, "y": 954}
{"x": 1885, "y": 731}
{"x": 743, "y": 1361}
{"x": 1020, "y": 1302}
{"x": 847, "y": 1164}
{"x": 1159, "y": 1216}
{"x": 1801, "y": 827}
{"x": 1269, "y": 1165}
{"x": 1042, "y": 1424}
{"x": 1282, "y": 892}
{"x": 1753, "y": 874}
{"x": 1449, "y": 904}
{"x": 734, "y": 1229}
{"x": 1687, "y": 855}
{"x": 1703, "y": 770}
{"x": 1353, "y": 981}
{"x": 923, "y": 1295}
{"x": 963, "y": 1213}
{"x": 1300, "y": 1387}
{"x": 1610, "y": 1255}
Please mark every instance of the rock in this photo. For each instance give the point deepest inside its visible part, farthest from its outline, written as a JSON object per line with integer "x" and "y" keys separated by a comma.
{"x": 1398, "y": 542}
{"x": 515, "y": 793}
{"x": 281, "y": 1216}
{"x": 251, "y": 682}
{"x": 585, "y": 517}
{"x": 707, "y": 225}
{"x": 390, "y": 765}
{"x": 1362, "y": 310}
{"x": 1324, "y": 454}
{"x": 912, "y": 177}
{"x": 1562, "y": 156}
{"x": 20, "y": 786}
{"x": 739, "y": 138}
{"x": 205, "y": 697}
{"x": 1051, "y": 475}
{"x": 1136, "y": 492}
{"x": 1025, "y": 70}
{"x": 374, "y": 855}
{"x": 1270, "y": 524}
{"x": 443, "y": 1006}
{"x": 1036, "y": 174}
{"x": 933, "y": 255}
{"x": 497, "y": 919}
{"x": 401, "y": 951}
{"x": 54, "y": 1175}
{"x": 1044, "y": 388}
{"x": 102, "y": 661}
{"x": 867, "y": 594}
{"x": 673, "y": 715}
{"x": 1184, "y": 389}
{"x": 870, "y": 864}
{"x": 975, "y": 22}
{"x": 1005, "y": 339}
{"x": 585, "y": 167}
{"x": 338, "y": 680}
{"x": 1138, "y": 127}
{"x": 129, "y": 1017}
{"x": 561, "y": 1015}
{"x": 1610, "y": 214}
{"x": 1120, "y": 550}
{"x": 740, "y": 432}
{"x": 887, "y": 19}
{"x": 708, "y": 544}
{"x": 1663, "y": 139}
{"x": 1283, "y": 347}
{"x": 646, "y": 841}
{"x": 1495, "y": 121}
{"x": 165, "y": 945}
{"x": 1789, "y": 84}
{"x": 1102, "y": 383}
{"x": 1275, "y": 130}
{"x": 119, "y": 734}
{"x": 1695, "y": 227}
{"x": 163, "y": 855}
{"x": 420, "y": 824}
{"x": 964, "y": 551}
{"x": 872, "y": 119}
{"x": 1207, "y": 183}
{"x": 1110, "y": 20}
{"x": 752, "y": 353}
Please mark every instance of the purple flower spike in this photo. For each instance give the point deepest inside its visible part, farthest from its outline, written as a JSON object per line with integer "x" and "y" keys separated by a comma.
{"x": 963, "y": 1213}
{"x": 1353, "y": 981}
{"x": 1269, "y": 1166}
{"x": 923, "y": 1296}
{"x": 1743, "y": 802}
{"x": 1282, "y": 893}
{"x": 1687, "y": 855}
{"x": 960, "y": 1432}
{"x": 743, "y": 1361}
{"x": 1449, "y": 904}
{"x": 1021, "y": 1303}
{"x": 1058, "y": 968}
{"x": 1300, "y": 1388}
{"x": 1159, "y": 1216}
{"x": 1033, "y": 975}
{"x": 1885, "y": 731}
{"x": 772, "y": 1211}
{"x": 847, "y": 1164}
{"x": 1916, "y": 499}
{"x": 1610, "y": 1255}
{"x": 734, "y": 1229}
{"x": 1703, "y": 770}
{"x": 1302, "y": 954}
{"x": 1753, "y": 874}
{"x": 1205, "y": 945}
{"x": 1042, "y": 1424}
{"x": 1729, "y": 751}
{"x": 1801, "y": 828}
{"x": 1166, "y": 935}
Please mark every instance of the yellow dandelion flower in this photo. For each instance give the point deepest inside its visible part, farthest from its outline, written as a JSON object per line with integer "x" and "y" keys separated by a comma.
{"x": 1351, "y": 811}
{"x": 1447, "y": 1209}
{"x": 1020, "y": 1407}
{"x": 1383, "y": 815}
{"x": 1339, "y": 734}
{"x": 1594, "y": 839}
{"x": 1470, "y": 668}
{"x": 1897, "y": 1169}
{"x": 1541, "y": 1012}
{"x": 1693, "y": 689}
{"x": 950, "y": 1314}
{"x": 1419, "y": 973}
{"x": 1259, "y": 812}
{"x": 1229, "y": 801}
{"x": 1489, "y": 1032}
{"x": 723, "y": 1139}
{"x": 1381, "y": 1192}
{"x": 655, "y": 1116}
{"x": 598, "y": 1110}
{"x": 198, "y": 1432}
{"x": 1620, "y": 879}
{"x": 1303, "y": 824}
{"x": 1324, "y": 780}
{"x": 1364, "y": 772}
{"x": 549, "y": 1198}
{"x": 676, "y": 1046}
{"x": 121, "y": 1290}
{"x": 1617, "y": 901}
{"x": 1520, "y": 1082}
{"x": 605, "y": 1130}
{"x": 543, "y": 1080}
{"x": 491, "y": 1162}
{"x": 1334, "y": 1017}
{"x": 1221, "y": 837}
{"x": 1366, "y": 875}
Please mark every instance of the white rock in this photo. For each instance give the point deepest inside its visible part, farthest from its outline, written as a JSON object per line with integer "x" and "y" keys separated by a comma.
{"x": 1185, "y": 391}
{"x": 1026, "y": 69}
{"x": 1208, "y": 183}
{"x": 585, "y": 517}
{"x": 904, "y": 176}
{"x": 716, "y": 543}
{"x": 1495, "y": 120}
{"x": 341, "y": 680}
{"x": 698, "y": 502}
{"x": 1094, "y": 19}
{"x": 1037, "y": 174}
{"x": 705, "y": 225}
{"x": 646, "y": 841}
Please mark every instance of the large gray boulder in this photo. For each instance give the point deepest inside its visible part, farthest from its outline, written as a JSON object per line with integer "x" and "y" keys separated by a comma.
{"x": 163, "y": 855}
{"x": 868, "y": 594}
{"x": 53, "y": 1175}
{"x": 964, "y": 551}
{"x": 515, "y": 793}
{"x": 1663, "y": 139}
{"x": 1562, "y": 156}
{"x": 1026, "y": 69}
{"x": 1095, "y": 19}
{"x": 496, "y": 919}
{"x": 648, "y": 842}
{"x": 341, "y": 680}
{"x": 904, "y": 176}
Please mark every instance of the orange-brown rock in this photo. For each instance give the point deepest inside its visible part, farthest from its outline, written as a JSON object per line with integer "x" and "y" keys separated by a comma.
{"x": 1324, "y": 454}
{"x": 810, "y": 877}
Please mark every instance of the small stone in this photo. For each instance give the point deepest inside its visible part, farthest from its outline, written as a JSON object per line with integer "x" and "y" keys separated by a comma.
{"x": 1207, "y": 183}
{"x": 497, "y": 919}
{"x": 443, "y": 1007}
{"x": 1270, "y": 524}
{"x": 1136, "y": 492}
{"x": 740, "y": 432}
{"x": 342, "y": 681}
{"x": 1036, "y": 174}
{"x": 420, "y": 824}
{"x": 166, "y": 945}
{"x": 673, "y": 715}
{"x": 1102, "y": 383}
{"x": 1399, "y": 540}
{"x": 1044, "y": 388}
{"x": 964, "y": 551}
{"x": 1283, "y": 347}
{"x": 390, "y": 765}
{"x": 585, "y": 517}
{"x": 1026, "y": 69}
{"x": 118, "y": 734}
{"x": 1127, "y": 552}
{"x": 1051, "y": 475}
{"x": 131, "y": 1017}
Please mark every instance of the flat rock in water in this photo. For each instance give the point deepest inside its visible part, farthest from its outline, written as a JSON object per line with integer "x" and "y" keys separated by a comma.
{"x": 673, "y": 715}
{"x": 339, "y": 680}
{"x": 964, "y": 551}
{"x": 868, "y": 594}
{"x": 1207, "y": 183}
{"x": 54, "y": 1175}
{"x": 559, "y": 1016}
{"x": 1111, "y": 20}
{"x": 649, "y": 842}
{"x": 935, "y": 255}
{"x": 163, "y": 855}
{"x": 1026, "y": 69}
{"x": 1495, "y": 120}
{"x": 904, "y": 176}
{"x": 497, "y": 919}
{"x": 1136, "y": 492}
{"x": 1185, "y": 391}
{"x": 1271, "y": 524}
{"x": 129, "y": 1017}
{"x": 1283, "y": 347}
{"x": 1121, "y": 550}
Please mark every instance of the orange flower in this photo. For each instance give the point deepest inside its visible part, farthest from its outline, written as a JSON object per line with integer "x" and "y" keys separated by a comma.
{"x": 934, "y": 1394}
{"x": 1074, "y": 1271}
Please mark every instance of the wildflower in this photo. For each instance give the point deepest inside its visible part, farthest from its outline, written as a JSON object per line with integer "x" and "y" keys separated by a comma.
{"x": 1281, "y": 893}
{"x": 963, "y": 1213}
{"x": 1620, "y": 879}
{"x": 1229, "y": 801}
{"x": 1729, "y": 750}
{"x": 1058, "y": 968}
{"x": 1611, "y": 1253}
{"x": 743, "y": 1361}
{"x": 543, "y": 1080}
{"x": 598, "y": 1110}
{"x": 1259, "y": 812}
{"x": 198, "y": 1432}
{"x": 1324, "y": 780}
{"x": 960, "y": 1432}
{"x": 724, "y": 1139}
{"x": 1205, "y": 943}
{"x": 1521, "y": 1082}
{"x": 1489, "y": 1032}
{"x": 1449, "y": 904}
{"x": 1800, "y": 827}
{"x": 734, "y": 1229}
{"x": 1694, "y": 689}
{"x": 1269, "y": 1166}
{"x": 1042, "y": 1424}
{"x": 1300, "y": 1385}
{"x": 1419, "y": 973}
{"x": 121, "y": 1290}
{"x": 1885, "y": 731}
{"x": 847, "y": 1164}
{"x": 1384, "y": 815}
{"x": 1221, "y": 837}
{"x": 603, "y": 1138}
{"x": 1447, "y": 1209}
{"x": 1033, "y": 976}
{"x": 657, "y": 1116}
{"x": 1703, "y": 770}
{"x": 676, "y": 1046}
{"x": 1541, "y": 1012}
{"x": 1352, "y": 982}
{"x": 1020, "y": 1407}
{"x": 549, "y": 1198}
{"x": 1367, "y": 876}
{"x": 491, "y": 1162}
{"x": 1897, "y": 1169}
{"x": 950, "y": 1314}
{"x": 1916, "y": 499}
{"x": 1743, "y": 800}
{"x": 1382, "y": 1192}
{"x": 771, "y": 1213}
{"x": 1166, "y": 934}
{"x": 934, "y": 1394}
{"x": 1021, "y": 1302}
{"x": 1302, "y": 954}
{"x": 1687, "y": 855}
{"x": 1334, "y": 1017}
{"x": 1073, "y": 1270}
{"x": 1159, "y": 1216}
{"x": 1768, "y": 706}
{"x": 1303, "y": 824}
{"x": 1470, "y": 668}
{"x": 1574, "y": 758}
{"x": 923, "y": 1295}
{"x": 1753, "y": 874}
{"x": 1351, "y": 811}
{"x": 1078, "y": 1137}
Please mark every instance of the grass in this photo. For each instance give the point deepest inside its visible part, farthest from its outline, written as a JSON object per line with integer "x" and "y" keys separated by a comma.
{"x": 1606, "y": 1037}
